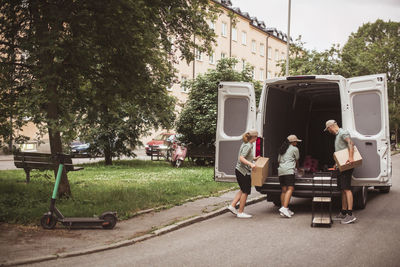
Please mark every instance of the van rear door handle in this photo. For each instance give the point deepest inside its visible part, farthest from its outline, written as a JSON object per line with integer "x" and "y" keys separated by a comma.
{"x": 368, "y": 143}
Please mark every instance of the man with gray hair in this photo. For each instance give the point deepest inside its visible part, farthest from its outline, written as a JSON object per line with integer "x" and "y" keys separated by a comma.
{"x": 343, "y": 141}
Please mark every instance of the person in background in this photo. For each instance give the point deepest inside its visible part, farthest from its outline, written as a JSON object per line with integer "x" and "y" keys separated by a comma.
{"x": 243, "y": 171}
{"x": 288, "y": 160}
{"x": 343, "y": 141}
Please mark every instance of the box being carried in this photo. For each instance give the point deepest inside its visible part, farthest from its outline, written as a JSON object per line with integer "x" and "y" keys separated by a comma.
{"x": 343, "y": 155}
{"x": 260, "y": 172}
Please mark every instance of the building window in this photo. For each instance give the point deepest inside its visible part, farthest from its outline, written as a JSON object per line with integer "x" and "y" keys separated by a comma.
{"x": 276, "y": 55}
{"x": 211, "y": 58}
{"x": 223, "y": 55}
{"x": 261, "y": 75}
{"x": 184, "y": 89}
{"x": 283, "y": 56}
{"x": 253, "y": 46}
{"x": 244, "y": 38}
{"x": 198, "y": 55}
{"x": 234, "y": 34}
{"x": 262, "y": 50}
{"x": 269, "y": 53}
{"x": 269, "y": 75}
{"x": 243, "y": 64}
{"x": 223, "y": 32}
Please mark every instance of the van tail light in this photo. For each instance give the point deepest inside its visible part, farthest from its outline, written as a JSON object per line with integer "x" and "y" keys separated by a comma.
{"x": 259, "y": 143}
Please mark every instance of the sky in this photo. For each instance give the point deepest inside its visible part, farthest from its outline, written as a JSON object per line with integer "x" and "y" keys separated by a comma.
{"x": 321, "y": 23}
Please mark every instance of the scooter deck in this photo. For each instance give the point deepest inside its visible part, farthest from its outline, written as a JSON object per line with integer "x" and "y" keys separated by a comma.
{"x": 83, "y": 220}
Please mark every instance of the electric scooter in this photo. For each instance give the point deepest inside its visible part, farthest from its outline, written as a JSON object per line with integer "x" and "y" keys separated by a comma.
{"x": 107, "y": 220}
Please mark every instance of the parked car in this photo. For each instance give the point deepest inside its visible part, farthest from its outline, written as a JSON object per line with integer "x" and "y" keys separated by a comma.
{"x": 301, "y": 105}
{"x": 158, "y": 143}
{"x": 79, "y": 148}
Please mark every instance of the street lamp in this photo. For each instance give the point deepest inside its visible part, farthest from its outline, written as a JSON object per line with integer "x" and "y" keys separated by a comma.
{"x": 288, "y": 41}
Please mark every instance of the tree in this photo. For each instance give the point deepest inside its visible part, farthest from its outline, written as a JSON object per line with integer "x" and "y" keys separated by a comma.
{"x": 197, "y": 121}
{"x": 69, "y": 52}
{"x": 304, "y": 61}
{"x": 375, "y": 48}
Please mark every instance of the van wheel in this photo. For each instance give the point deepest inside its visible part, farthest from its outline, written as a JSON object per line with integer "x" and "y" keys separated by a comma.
{"x": 383, "y": 189}
{"x": 360, "y": 198}
{"x": 275, "y": 200}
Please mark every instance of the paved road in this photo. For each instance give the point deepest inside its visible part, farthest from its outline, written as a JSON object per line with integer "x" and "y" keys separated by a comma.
{"x": 269, "y": 240}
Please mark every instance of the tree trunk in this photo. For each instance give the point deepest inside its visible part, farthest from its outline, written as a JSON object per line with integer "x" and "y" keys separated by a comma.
{"x": 108, "y": 155}
{"x": 64, "y": 189}
{"x": 10, "y": 143}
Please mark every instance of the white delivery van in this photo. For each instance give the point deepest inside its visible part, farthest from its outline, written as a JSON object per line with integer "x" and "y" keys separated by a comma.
{"x": 301, "y": 105}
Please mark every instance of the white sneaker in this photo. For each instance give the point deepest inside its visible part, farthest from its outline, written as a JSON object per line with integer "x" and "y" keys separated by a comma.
{"x": 243, "y": 215}
{"x": 290, "y": 212}
{"x": 285, "y": 212}
{"x": 232, "y": 209}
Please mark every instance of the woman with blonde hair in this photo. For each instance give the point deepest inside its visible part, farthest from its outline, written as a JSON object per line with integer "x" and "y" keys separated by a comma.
{"x": 243, "y": 170}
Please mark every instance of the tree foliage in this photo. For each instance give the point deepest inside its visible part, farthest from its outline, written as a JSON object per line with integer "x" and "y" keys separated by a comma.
{"x": 197, "y": 120}
{"x": 75, "y": 65}
{"x": 303, "y": 61}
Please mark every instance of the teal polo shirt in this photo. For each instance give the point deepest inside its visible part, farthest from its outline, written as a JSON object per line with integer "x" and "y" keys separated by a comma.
{"x": 340, "y": 142}
{"x": 287, "y": 161}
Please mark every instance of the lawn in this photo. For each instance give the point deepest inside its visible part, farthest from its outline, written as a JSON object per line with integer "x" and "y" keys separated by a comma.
{"x": 125, "y": 187}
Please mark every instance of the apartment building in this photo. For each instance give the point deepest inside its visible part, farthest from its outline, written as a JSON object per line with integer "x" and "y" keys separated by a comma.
{"x": 241, "y": 36}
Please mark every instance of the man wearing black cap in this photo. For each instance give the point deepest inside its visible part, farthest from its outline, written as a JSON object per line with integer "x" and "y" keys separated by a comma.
{"x": 343, "y": 141}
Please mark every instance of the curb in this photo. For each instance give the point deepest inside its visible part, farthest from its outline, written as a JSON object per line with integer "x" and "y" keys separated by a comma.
{"x": 159, "y": 232}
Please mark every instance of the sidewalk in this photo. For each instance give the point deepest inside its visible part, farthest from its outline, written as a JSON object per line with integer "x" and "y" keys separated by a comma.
{"x": 19, "y": 244}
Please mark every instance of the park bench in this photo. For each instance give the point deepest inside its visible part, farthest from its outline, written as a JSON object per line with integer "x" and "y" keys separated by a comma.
{"x": 41, "y": 161}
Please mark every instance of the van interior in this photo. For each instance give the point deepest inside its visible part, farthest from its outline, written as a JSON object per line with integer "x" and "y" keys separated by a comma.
{"x": 301, "y": 108}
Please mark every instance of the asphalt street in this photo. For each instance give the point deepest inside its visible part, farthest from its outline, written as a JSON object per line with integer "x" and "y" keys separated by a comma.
{"x": 267, "y": 239}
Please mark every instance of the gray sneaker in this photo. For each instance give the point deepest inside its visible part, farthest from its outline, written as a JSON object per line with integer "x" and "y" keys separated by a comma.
{"x": 348, "y": 219}
{"x": 339, "y": 217}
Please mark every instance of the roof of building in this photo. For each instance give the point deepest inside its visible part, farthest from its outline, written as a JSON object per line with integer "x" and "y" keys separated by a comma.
{"x": 254, "y": 21}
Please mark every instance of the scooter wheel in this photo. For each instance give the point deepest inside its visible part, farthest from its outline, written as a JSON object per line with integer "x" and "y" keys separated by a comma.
{"x": 48, "y": 221}
{"x": 110, "y": 221}
{"x": 178, "y": 163}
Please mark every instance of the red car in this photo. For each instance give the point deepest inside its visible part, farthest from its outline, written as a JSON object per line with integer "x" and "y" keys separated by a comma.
{"x": 158, "y": 143}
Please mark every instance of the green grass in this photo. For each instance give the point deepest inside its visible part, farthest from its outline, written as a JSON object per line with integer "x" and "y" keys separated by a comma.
{"x": 125, "y": 187}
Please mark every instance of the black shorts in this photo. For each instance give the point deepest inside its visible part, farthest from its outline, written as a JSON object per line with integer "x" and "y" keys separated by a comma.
{"x": 244, "y": 182}
{"x": 344, "y": 179}
{"x": 286, "y": 180}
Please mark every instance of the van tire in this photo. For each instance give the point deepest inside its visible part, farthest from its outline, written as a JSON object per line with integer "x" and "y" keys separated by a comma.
{"x": 360, "y": 197}
{"x": 276, "y": 200}
{"x": 383, "y": 189}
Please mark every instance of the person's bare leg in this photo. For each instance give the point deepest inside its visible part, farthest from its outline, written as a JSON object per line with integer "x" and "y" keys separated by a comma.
{"x": 243, "y": 199}
{"x": 288, "y": 195}
{"x": 236, "y": 198}
{"x": 284, "y": 189}
{"x": 344, "y": 200}
{"x": 349, "y": 199}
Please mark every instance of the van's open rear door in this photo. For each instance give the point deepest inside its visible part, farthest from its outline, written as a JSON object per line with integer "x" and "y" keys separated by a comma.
{"x": 368, "y": 101}
{"x": 236, "y": 115}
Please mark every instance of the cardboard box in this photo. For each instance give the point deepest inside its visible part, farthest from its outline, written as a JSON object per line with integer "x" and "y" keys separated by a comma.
{"x": 260, "y": 172}
{"x": 343, "y": 155}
